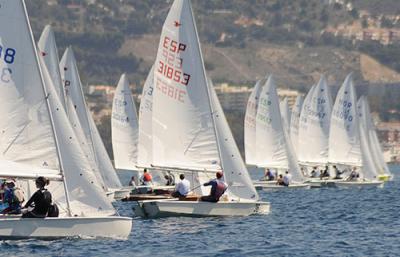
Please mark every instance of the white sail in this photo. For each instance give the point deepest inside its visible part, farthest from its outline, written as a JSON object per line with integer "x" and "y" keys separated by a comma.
{"x": 344, "y": 134}
{"x": 285, "y": 114}
{"x": 250, "y": 125}
{"x": 271, "y": 150}
{"x": 35, "y": 129}
{"x": 73, "y": 92}
{"x": 376, "y": 151}
{"x": 182, "y": 125}
{"x": 145, "y": 146}
{"x": 294, "y": 122}
{"x": 124, "y": 127}
{"x": 274, "y": 148}
{"x": 302, "y": 141}
{"x": 48, "y": 50}
{"x": 368, "y": 170}
{"x": 314, "y": 133}
{"x": 235, "y": 171}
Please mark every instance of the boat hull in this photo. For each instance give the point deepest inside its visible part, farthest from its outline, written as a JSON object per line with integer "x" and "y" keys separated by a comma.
{"x": 359, "y": 184}
{"x": 51, "y": 228}
{"x": 278, "y": 187}
{"x": 316, "y": 183}
{"x": 384, "y": 177}
{"x": 168, "y": 208}
{"x": 122, "y": 192}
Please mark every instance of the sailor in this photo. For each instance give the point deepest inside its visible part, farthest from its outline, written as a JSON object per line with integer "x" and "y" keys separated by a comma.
{"x": 324, "y": 173}
{"x": 269, "y": 176}
{"x": 13, "y": 197}
{"x": 146, "y": 179}
{"x": 287, "y": 178}
{"x": 41, "y": 199}
{"x": 314, "y": 172}
{"x": 218, "y": 188}
{"x": 132, "y": 181}
{"x": 280, "y": 182}
{"x": 354, "y": 175}
{"x": 169, "y": 177}
{"x": 182, "y": 188}
{"x": 337, "y": 172}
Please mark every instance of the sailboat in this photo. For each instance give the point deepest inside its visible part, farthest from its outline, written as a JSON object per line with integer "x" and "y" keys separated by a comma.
{"x": 274, "y": 147}
{"x": 365, "y": 118}
{"x": 189, "y": 129}
{"x": 348, "y": 145}
{"x": 105, "y": 172}
{"x": 124, "y": 131}
{"x": 314, "y": 131}
{"x": 128, "y": 141}
{"x": 37, "y": 140}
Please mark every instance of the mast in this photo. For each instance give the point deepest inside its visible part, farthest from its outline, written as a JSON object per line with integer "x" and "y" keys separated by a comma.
{"x": 49, "y": 110}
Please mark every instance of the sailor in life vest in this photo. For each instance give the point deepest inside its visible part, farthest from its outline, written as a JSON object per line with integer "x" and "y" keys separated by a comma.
{"x": 40, "y": 201}
{"x": 218, "y": 188}
{"x": 146, "y": 179}
{"x": 13, "y": 197}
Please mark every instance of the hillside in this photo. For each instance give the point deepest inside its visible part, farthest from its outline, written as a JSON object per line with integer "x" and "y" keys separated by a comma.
{"x": 242, "y": 40}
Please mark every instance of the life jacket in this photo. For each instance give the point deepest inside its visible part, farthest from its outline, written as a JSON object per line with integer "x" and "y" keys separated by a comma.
{"x": 147, "y": 177}
{"x": 219, "y": 189}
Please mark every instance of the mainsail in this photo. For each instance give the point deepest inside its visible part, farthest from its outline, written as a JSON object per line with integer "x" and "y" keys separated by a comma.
{"x": 271, "y": 150}
{"x": 314, "y": 133}
{"x": 145, "y": 146}
{"x": 182, "y": 124}
{"x": 250, "y": 125}
{"x": 124, "y": 127}
{"x": 344, "y": 134}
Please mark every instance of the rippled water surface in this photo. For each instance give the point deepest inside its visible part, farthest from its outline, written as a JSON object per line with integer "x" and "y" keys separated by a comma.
{"x": 317, "y": 222}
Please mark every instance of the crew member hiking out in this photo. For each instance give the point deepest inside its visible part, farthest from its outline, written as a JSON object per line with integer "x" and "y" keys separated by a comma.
{"x": 218, "y": 188}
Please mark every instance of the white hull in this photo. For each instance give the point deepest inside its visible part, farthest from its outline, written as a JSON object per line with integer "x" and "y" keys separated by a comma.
{"x": 359, "y": 184}
{"x": 263, "y": 182}
{"x": 104, "y": 227}
{"x": 278, "y": 187}
{"x": 166, "y": 208}
{"x": 122, "y": 192}
{"x": 316, "y": 182}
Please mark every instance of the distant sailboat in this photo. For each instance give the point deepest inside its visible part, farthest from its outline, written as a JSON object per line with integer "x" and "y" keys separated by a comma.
{"x": 315, "y": 123}
{"x": 274, "y": 147}
{"x": 124, "y": 131}
{"x": 105, "y": 172}
{"x": 190, "y": 132}
{"x": 348, "y": 145}
{"x": 37, "y": 140}
{"x": 376, "y": 151}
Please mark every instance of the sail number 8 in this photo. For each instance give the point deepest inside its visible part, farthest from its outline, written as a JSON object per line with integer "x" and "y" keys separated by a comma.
{"x": 8, "y": 54}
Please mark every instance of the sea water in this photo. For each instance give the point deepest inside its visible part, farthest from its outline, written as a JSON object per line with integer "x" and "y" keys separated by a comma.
{"x": 316, "y": 222}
